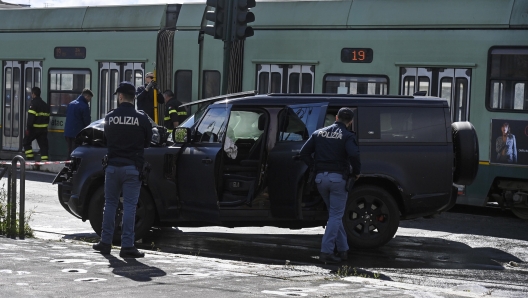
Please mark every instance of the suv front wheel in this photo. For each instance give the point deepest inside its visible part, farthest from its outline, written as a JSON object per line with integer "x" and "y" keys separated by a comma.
{"x": 145, "y": 214}
{"x": 371, "y": 217}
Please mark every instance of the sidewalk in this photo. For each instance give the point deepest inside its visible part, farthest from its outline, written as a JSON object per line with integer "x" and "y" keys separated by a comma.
{"x": 68, "y": 268}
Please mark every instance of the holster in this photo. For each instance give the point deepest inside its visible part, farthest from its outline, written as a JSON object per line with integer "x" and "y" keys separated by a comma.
{"x": 349, "y": 183}
{"x": 144, "y": 173}
{"x": 104, "y": 162}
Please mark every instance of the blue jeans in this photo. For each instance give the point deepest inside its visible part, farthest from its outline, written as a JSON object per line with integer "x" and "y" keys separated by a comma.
{"x": 331, "y": 186}
{"x": 117, "y": 179}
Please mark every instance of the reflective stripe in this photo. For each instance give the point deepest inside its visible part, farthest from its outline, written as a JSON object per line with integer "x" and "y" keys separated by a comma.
{"x": 29, "y": 151}
{"x": 44, "y": 157}
{"x": 29, "y": 155}
{"x": 166, "y": 118}
{"x": 170, "y": 130}
{"x": 40, "y": 125}
{"x": 172, "y": 111}
{"x": 182, "y": 113}
{"x": 43, "y": 114}
{"x": 32, "y": 112}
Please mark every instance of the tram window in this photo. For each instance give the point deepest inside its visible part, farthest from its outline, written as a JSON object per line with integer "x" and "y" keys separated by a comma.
{"x": 263, "y": 85}
{"x": 423, "y": 84}
{"x": 461, "y": 93}
{"x": 306, "y": 86}
{"x": 348, "y": 84}
{"x": 183, "y": 85}
{"x": 7, "y": 102}
{"x": 445, "y": 89}
{"x": 408, "y": 86}
{"x": 520, "y": 97}
{"x": 211, "y": 83}
{"x": 293, "y": 83}
{"x": 276, "y": 82}
{"x": 138, "y": 78}
{"x": 508, "y": 75}
{"x": 66, "y": 85}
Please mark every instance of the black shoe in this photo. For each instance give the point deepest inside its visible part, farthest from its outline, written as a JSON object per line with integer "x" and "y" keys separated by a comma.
{"x": 329, "y": 258}
{"x": 103, "y": 248}
{"x": 130, "y": 252}
{"x": 343, "y": 255}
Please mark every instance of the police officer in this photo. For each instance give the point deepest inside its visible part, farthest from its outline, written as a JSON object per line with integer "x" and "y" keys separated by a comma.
{"x": 127, "y": 133}
{"x": 336, "y": 157}
{"x": 174, "y": 114}
{"x": 37, "y": 125}
{"x": 145, "y": 95}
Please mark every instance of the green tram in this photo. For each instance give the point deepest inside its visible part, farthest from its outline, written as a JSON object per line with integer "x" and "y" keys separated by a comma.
{"x": 473, "y": 53}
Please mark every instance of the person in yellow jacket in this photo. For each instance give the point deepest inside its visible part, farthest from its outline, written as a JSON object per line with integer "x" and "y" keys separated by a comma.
{"x": 37, "y": 126}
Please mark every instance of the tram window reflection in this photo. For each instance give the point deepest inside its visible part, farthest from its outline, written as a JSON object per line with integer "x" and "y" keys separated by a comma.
{"x": 66, "y": 85}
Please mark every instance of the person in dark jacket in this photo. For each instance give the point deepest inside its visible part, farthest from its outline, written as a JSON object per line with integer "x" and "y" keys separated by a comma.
{"x": 174, "y": 114}
{"x": 145, "y": 95}
{"x": 37, "y": 125}
{"x": 127, "y": 132}
{"x": 77, "y": 118}
{"x": 336, "y": 159}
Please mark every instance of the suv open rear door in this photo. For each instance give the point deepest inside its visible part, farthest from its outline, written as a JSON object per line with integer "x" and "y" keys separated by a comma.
{"x": 285, "y": 169}
{"x": 198, "y": 167}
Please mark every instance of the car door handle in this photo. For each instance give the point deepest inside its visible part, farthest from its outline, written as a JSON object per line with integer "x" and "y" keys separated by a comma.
{"x": 207, "y": 160}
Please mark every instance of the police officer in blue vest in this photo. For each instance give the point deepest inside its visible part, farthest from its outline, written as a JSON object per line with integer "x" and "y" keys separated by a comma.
{"x": 127, "y": 132}
{"x": 336, "y": 159}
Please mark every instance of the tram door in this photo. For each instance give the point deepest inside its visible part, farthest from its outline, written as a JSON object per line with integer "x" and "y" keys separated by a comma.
{"x": 285, "y": 78}
{"x": 19, "y": 78}
{"x": 453, "y": 84}
{"x": 110, "y": 75}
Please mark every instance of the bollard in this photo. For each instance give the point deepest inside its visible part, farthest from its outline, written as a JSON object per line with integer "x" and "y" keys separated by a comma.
{"x": 12, "y": 195}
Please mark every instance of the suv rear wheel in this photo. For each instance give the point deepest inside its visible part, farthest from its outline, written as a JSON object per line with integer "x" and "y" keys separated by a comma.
{"x": 145, "y": 215}
{"x": 371, "y": 217}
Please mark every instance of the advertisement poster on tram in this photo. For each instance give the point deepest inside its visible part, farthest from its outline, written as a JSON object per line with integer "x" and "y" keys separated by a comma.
{"x": 509, "y": 142}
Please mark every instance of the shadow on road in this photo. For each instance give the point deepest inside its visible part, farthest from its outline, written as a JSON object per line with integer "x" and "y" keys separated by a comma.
{"x": 133, "y": 269}
{"x": 401, "y": 252}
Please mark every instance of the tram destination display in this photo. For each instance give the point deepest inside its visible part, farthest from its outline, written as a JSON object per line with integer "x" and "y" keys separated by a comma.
{"x": 70, "y": 52}
{"x": 357, "y": 55}
{"x": 509, "y": 142}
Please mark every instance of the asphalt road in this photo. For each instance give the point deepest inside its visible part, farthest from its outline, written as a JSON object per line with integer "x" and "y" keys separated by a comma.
{"x": 473, "y": 250}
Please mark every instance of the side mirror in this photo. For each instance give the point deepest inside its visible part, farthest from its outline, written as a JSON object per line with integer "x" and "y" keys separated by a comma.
{"x": 181, "y": 135}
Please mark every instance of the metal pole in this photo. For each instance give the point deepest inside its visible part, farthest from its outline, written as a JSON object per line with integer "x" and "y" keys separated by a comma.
{"x": 12, "y": 224}
{"x": 228, "y": 43}
{"x": 22, "y": 212}
{"x": 8, "y": 201}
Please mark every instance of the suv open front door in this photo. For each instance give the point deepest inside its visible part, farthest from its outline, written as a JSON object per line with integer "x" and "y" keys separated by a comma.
{"x": 285, "y": 169}
{"x": 199, "y": 167}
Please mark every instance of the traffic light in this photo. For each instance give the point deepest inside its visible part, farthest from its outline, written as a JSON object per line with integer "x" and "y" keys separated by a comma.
{"x": 218, "y": 17}
{"x": 242, "y": 16}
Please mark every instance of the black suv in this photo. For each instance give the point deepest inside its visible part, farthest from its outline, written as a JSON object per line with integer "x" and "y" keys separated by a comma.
{"x": 235, "y": 163}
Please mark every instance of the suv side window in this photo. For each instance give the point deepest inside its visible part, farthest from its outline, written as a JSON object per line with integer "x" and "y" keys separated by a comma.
{"x": 212, "y": 126}
{"x": 300, "y": 124}
{"x": 409, "y": 125}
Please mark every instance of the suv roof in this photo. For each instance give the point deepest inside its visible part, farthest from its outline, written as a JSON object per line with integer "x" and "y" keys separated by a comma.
{"x": 280, "y": 99}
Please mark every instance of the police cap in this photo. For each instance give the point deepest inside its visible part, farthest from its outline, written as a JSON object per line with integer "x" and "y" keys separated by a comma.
{"x": 345, "y": 114}
{"x": 126, "y": 88}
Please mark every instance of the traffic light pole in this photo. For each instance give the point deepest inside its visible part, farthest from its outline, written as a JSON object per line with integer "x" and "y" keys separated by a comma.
{"x": 228, "y": 43}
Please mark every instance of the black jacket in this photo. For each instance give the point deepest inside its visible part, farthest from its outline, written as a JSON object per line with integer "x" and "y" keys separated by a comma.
{"x": 145, "y": 100}
{"x": 174, "y": 113}
{"x": 335, "y": 149}
{"x": 38, "y": 115}
{"x": 127, "y": 132}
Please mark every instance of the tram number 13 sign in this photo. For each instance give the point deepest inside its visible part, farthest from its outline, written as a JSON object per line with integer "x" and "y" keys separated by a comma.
{"x": 70, "y": 52}
{"x": 357, "y": 55}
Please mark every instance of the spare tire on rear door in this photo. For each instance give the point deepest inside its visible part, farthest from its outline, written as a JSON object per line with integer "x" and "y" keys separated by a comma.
{"x": 465, "y": 145}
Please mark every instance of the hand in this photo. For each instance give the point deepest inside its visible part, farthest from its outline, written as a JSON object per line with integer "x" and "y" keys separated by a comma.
{"x": 150, "y": 85}
{"x": 357, "y": 177}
